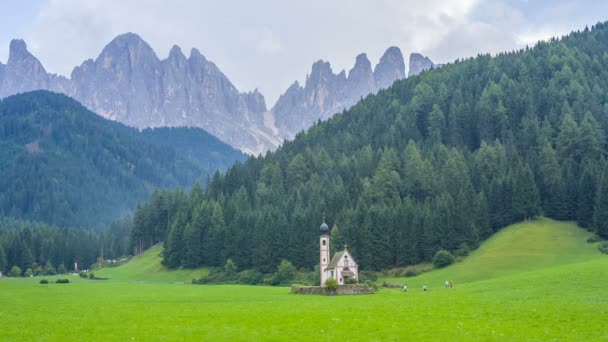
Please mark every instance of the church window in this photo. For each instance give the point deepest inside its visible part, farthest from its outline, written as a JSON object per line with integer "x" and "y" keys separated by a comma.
{"x": 323, "y": 259}
{"x": 323, "y": 242}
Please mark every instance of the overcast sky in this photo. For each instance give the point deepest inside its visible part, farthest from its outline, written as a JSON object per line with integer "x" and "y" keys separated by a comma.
{"x": 268, "y": 44}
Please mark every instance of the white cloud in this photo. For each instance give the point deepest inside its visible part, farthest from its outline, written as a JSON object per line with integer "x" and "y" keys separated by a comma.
{"x": 268, "y": 44}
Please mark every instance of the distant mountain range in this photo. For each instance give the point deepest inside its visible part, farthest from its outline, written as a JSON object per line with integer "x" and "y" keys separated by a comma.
{"x": 128, "y": 83}
{"x": 64, "y": 165}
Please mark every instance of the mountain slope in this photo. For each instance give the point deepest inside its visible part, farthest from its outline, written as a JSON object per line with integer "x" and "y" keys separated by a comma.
{"x": 65, "y": 165}
{"x": 437, "y": 161}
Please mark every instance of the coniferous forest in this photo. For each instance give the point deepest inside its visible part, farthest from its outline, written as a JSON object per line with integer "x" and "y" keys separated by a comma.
{"x": 441, "y": 160}
{"x": 438, "y": 161}
{"x": 64, "y": 165}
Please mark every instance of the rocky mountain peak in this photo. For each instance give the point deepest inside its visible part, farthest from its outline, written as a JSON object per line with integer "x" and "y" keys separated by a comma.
{"x": 360, "y": 78}
{"x": 390, "y": 68}
{"x": 418, "y": 64}
{"x": 18, "y": 51}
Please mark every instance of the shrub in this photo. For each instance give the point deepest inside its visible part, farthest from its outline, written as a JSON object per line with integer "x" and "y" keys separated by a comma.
{"x": 365, "y": 276}
{"x": 44, "y": 281}
{"x": 91, "y": 275}
{"x": 250, "y": 277}
{"x": 49, "y": 269}
{"x": 442, "y": 258}
{"x": 331, "y": 284}
{"x": 62, "y": 281}
{"x": 230, "y": 268}
{"x": 594, "y": 238}
{"x": 411, "y": 273}
{"x": 350, "y": 281}
{"x": 15, "y": 271}
{"x": 29, "y": 273}
{"x": 83, "y": 274}
{"x": 603, "y": 247}
{"x": 371, "y": 284}
{"x": 285, "y": 274}
{"x": 463, "y": 250}
{"x": 61, "y": 269}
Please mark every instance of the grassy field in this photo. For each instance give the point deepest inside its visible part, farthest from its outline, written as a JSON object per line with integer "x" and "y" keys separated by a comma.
{"x": 514, "y": 287}
{"x": 146, "y": 267}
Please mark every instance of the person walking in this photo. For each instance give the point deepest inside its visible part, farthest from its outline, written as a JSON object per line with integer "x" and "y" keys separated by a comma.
{"x": 446, "y": 284}
{"x": 451, "y": 283}
{"x": 424, "y": 288}
{"x": 405, "y": 288}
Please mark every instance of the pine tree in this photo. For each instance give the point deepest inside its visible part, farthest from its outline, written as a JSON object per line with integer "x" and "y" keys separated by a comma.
{"x": 600, "y": 213}
{"x": 525, "y": 194}
{"x": 586, "y": 199}
{"x": 3, "y": 261}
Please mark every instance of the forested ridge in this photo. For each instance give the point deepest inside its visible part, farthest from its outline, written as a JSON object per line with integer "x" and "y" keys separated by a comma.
{"x": 437, "y": 161}
{"x": 64, "y": 165}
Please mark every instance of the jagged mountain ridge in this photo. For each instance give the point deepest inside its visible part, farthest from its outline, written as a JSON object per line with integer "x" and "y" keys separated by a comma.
{"x": 326, "y": 93}
{"x": 128, "y": 83}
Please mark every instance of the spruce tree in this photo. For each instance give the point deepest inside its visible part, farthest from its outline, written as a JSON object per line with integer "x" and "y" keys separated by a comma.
{"x": 600, "y": 217}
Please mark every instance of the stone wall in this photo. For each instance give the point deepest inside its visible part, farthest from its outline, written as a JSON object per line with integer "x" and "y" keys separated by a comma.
{"x": 354, "y": 289}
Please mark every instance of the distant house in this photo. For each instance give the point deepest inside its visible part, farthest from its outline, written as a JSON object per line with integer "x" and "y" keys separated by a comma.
{"x": 342, "y": 265}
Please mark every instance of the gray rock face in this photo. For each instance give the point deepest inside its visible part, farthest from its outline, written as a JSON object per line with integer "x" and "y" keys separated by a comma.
{"x": 128, "y": 83}
{"x": 23, "y": 72}
{"x": 419, "y": 63}
{"x": 390, "y": 68}
{"x": 326, "y": 93}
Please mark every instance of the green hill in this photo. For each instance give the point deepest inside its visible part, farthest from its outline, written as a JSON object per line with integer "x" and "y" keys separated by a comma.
{"x": 517, "y": 250}
{"x": 147, "y": 267}
{"x": 64, "y": 165}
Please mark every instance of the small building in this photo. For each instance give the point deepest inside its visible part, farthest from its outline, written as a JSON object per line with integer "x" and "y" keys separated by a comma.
{"x": 341, "y": 266}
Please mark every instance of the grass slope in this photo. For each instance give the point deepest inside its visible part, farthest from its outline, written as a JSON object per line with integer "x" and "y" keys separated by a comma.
{"x": 147, "y": 267}
{"x": 522, "y": 247}
{"x": 525, "y": 289}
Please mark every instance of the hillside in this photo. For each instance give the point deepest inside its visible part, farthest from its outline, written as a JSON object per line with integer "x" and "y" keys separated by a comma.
{"x": 147, "y": 267}
{"x": 517, "y": 250}
{"x": 64, "y": 165}
{"x": 441, "y": 160}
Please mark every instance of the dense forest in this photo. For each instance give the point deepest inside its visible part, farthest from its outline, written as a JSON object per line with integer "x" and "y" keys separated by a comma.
{"x": 438, "y": 161}
{"x": 64, "y": 165}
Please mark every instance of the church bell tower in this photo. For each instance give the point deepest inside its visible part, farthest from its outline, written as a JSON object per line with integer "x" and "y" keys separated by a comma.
{"x": 324, "y": 249}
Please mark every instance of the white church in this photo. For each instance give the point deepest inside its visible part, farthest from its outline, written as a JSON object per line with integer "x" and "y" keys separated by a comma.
{"x": 341, "y": 266}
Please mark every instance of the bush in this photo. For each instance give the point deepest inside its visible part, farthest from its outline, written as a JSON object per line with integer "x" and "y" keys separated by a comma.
{"x": 252, "y": 277}
{"x": 83, "y": 274}
{"x": 62, "y": 281}
{"x": 603, "y": 247}
{"x": 44, "y": 281}
{"x": 365, "y": 276}
{"x": 463, "y": 250}
{"x": 411, "y": 273}
{"x": 91, "y": 275}
{"x": 285, "y": 274}
{"x": 371, "y": 284}
{"x": 61, "y": 269}
{"x": 594, "y": 238}
{"x": 331, "y": 284}
{"x": 29, "y": 273}
{"x": 442, "y": 258}
{"x": 350, "y": 281}
{"x": 15, "y": 271}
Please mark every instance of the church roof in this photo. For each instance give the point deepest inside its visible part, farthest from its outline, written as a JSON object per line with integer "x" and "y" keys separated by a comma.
{"x": 336, "y": 258}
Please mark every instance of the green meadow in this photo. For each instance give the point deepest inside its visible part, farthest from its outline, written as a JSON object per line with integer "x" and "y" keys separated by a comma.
{"x": 532, "y": 281}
